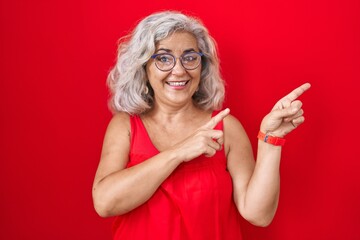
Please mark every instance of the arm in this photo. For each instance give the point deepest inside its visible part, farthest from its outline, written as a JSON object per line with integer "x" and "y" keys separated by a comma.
{"x": 257, "y": 184}
{"x": 118, "y": 190}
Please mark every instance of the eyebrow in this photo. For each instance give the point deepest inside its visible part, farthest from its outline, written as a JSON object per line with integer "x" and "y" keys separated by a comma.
{"x": 169, "y": 50}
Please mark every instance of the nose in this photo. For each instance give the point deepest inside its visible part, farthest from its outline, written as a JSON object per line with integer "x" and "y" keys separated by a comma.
{"x": 178, "y": 68}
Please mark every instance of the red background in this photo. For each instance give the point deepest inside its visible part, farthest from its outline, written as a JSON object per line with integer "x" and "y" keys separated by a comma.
{"x": 55, "y": 56}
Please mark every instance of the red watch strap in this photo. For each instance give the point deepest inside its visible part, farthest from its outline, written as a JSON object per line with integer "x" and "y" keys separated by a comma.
{"x": 277, "y": 141}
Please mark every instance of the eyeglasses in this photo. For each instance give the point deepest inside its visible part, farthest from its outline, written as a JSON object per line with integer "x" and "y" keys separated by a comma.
{"x": 166, "y": 61}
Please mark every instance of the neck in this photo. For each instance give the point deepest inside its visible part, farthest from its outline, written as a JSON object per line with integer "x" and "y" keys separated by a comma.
{"x": 170, "y": 114}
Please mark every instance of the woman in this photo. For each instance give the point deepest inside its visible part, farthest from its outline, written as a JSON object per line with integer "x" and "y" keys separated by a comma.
{"x": 173, "y": 166}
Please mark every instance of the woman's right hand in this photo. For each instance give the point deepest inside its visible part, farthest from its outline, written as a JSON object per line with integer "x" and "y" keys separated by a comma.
{"x": 204, "y": 141}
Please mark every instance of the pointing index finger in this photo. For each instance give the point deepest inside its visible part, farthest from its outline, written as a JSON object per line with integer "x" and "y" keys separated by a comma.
{"x": 217, "y": 118}
{"x": 297, "y": 92}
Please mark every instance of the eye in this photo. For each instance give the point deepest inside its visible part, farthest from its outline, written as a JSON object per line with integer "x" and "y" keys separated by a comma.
{"x": 190, "y": 57}
{"x": 164, "y": 58}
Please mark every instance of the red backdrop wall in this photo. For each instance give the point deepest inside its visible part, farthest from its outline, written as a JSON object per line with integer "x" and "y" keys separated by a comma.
{"x": 55, "y": 56}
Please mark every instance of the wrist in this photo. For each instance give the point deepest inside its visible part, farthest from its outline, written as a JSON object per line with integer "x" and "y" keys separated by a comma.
{"x": 276, "y": 141}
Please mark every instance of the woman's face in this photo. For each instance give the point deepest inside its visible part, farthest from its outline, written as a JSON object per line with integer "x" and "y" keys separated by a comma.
{"x": 177, "y": 86}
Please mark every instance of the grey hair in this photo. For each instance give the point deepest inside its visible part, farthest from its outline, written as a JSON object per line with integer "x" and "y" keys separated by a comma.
{"x": 127, "y": 81}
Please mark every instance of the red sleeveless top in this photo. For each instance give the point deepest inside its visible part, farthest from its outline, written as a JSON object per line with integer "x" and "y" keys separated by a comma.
{"x": 194, "y": 203}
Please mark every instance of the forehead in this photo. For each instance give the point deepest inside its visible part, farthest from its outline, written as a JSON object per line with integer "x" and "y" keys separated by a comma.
{"x": 178, "y": 41}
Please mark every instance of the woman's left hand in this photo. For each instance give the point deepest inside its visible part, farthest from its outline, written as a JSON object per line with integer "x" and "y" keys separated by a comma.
{"x": 286, "y": 115}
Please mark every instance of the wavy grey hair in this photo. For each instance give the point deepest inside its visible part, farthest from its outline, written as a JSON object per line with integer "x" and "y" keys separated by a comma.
{"x": 127, "y": 81}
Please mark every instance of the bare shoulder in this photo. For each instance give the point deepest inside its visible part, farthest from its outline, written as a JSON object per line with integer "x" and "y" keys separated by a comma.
{"x": 117, "y": 136}
{"x": 239, "y": 154}
{"x": 116, "y": 143}
{"x": 234, "y": 134}
{"x": 119, "y": 122}
{"x": 232, "y": 126}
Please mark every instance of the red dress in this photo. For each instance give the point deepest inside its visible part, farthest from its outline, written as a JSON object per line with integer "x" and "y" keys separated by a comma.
{"x": 195, "y": 202}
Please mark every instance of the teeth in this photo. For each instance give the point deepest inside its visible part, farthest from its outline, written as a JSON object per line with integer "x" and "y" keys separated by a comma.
{"x": 177, "y": 83}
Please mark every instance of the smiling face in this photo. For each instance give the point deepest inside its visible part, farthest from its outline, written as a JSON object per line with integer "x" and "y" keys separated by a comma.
{"x": 177, "y": 86}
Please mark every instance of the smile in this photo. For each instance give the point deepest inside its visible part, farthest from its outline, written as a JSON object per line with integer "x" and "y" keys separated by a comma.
{"x": 177, "y": 84}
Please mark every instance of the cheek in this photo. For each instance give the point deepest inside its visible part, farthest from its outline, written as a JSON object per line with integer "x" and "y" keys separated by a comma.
{"x": 197, "y": 75}
{"x": 151, "y": 71}
{"x": 154, "y": 76}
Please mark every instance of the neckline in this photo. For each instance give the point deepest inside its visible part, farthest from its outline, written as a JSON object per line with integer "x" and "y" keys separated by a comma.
{"x": 151, "y": 142}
